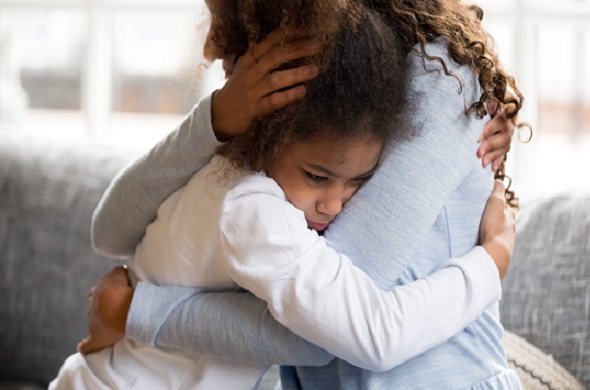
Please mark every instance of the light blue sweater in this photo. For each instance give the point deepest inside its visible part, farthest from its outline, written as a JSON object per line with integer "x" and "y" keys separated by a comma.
{"x": 422, "y": 207}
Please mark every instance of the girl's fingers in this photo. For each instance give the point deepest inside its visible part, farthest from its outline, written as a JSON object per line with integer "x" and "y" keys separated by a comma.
{"x": 499, "y": 142}
{"x": 492, "y": 106}
{"x": 499, "y": 123}
{"x": 496, "y": 163}
{"x": 499, "y": 189}
{"x": 491, "y": 157}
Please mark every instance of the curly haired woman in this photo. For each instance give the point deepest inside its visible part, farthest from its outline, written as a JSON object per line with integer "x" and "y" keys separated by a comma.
{"x": 423, "y": 206}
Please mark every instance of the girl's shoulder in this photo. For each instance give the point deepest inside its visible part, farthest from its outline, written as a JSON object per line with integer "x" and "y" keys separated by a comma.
{"x": 236, "y": 182}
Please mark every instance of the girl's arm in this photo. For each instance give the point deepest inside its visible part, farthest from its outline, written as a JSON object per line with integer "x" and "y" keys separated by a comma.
{"x": 398, "y": 326}
{"x": 321, "y": 296}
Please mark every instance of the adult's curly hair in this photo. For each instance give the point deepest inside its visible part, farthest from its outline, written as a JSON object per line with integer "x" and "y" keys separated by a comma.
{"x": 413, "y": 23}
{"x": 420, "y": 22}
{"x": 359, "y": 94}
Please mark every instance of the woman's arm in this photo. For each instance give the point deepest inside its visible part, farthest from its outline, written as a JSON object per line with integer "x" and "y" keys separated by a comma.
{"x": 132, "y": 199}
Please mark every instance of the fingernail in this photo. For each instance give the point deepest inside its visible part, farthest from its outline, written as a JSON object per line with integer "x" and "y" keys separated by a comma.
{"x": 480, "y": 139}
{"x": 492, "y": 107}
{"x": 486, "y": 161}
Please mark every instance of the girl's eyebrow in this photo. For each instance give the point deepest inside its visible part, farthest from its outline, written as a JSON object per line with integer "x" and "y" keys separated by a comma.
{"x": 323, "y": 169}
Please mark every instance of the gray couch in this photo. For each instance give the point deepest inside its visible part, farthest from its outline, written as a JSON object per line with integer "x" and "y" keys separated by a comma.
{"x": 48, "y": 190}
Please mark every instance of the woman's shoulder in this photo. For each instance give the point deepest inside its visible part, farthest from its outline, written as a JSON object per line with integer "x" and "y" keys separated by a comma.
{"x": 434, "y": 52}
{"x": 436, "y": 77}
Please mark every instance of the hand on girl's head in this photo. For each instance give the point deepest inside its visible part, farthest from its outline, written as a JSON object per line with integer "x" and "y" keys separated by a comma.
{"x": 254, "y": 88}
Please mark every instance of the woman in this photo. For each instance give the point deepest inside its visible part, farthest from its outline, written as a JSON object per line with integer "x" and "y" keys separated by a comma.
{"x": 422, "y": 206}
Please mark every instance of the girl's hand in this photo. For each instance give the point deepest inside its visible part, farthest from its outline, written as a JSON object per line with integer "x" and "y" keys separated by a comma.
{"x": 497, "y": 230}
{"x": 253, "y": 89}
{"x": 496, "y": 137}
{"x": 497, "y": 133}
{"x": 108, "y": 304}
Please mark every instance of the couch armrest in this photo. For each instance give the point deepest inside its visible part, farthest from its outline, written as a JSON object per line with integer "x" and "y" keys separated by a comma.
{"x": 546, "y": 297}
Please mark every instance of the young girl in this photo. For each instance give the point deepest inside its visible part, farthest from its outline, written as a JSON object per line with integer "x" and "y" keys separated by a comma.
{"x": 247, "y": 217}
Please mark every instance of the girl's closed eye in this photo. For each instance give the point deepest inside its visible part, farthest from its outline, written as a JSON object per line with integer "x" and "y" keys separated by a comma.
{"x": 362, "y": 179}
{"x": 315, "y": 178}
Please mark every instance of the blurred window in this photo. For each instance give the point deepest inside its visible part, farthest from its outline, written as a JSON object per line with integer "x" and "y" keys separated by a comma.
{"x": 106, "y": 68}
{"x": 546, "y": 45}
{"x": 129, "y": 70}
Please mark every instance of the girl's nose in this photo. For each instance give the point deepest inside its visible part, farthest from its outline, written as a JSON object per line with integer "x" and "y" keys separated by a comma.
{"x": 330, "y": 203}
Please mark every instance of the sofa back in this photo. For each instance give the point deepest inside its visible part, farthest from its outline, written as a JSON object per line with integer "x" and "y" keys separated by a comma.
{"x": 48, "y": 191}
{"x": 546, "y": 293}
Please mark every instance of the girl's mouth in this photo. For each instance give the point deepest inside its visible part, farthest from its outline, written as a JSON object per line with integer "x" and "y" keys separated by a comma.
{"x": 317, "y": 226}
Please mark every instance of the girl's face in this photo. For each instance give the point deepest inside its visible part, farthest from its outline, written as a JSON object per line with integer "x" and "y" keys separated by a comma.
{"x": 214, "y": 44}
{"x": 320, "y": 175}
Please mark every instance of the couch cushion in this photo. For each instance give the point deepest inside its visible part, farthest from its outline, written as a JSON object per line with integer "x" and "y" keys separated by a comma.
{"x": 536, "y": 369}
{"x": 546, "y": 297}
{"x": 48, "y": 191}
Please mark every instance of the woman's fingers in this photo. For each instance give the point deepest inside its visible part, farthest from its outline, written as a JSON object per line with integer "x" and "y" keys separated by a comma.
{"x": 274, "y": 38}
{"x": 108, "y": 302}
{"x": 282, "y": 54}
{"x": 255, "y": 87}
{"x": 283, "y": 87}
{"x": 268, "y": 80}
{"x": 276, "y": 100}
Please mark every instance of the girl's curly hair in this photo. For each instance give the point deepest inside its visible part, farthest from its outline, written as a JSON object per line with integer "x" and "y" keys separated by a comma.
{"x": 360, "y": 92}
{"x": 413, "y": 23}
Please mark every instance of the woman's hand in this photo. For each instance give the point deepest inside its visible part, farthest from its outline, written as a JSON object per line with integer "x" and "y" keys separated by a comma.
{"x": 497, "y": 230}
{"x": 108, "y": 305}
{"x": 254, "y": 88}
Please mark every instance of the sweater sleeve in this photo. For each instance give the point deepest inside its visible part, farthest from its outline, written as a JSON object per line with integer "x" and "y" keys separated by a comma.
{"x": 132, "y": 199}
{"x": 391, "y": 328}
